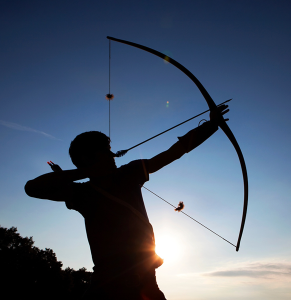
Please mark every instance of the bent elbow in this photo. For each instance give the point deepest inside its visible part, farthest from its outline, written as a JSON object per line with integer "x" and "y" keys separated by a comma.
{"x": 29, "y": 188}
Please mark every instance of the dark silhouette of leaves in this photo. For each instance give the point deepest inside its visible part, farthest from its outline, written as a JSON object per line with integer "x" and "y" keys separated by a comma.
{"x": 31, "y": 273}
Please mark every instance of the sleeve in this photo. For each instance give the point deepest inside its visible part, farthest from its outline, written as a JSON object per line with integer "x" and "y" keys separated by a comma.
{"x": 145, "y": 173}
{"x": 136, "y": 171}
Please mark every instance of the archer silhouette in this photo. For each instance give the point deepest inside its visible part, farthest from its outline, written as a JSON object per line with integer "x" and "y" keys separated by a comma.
{"x": 120, "y": 236}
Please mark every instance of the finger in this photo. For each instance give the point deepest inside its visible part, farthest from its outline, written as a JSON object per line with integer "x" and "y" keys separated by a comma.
{"x": 224, "y": 112}
{"x": 226, "y": 120}
{"x": 222, "y": 106}
{"x": 221, "y": 109}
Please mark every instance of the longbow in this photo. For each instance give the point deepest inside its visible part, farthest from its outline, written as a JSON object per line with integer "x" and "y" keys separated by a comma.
{"x": 212, "y": 107}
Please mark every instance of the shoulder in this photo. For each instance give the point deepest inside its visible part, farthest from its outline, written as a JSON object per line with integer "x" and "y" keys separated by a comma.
{"x": 139, "y": 163}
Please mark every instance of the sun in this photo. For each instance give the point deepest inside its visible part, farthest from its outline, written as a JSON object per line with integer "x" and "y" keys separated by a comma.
{"x": 168, "y": 248}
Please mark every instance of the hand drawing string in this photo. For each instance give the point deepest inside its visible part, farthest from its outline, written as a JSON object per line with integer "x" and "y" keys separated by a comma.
{"x": 189, "y": 216}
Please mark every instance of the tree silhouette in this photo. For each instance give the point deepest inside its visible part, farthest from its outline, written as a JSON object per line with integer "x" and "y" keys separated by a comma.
{"x": 29, "y": 272}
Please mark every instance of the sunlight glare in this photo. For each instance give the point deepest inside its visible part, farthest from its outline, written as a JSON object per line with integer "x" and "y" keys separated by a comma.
{"x": 168, "y": 248}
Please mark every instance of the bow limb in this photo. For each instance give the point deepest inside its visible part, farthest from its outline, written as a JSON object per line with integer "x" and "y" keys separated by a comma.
{"x": 201, "y": 88}
{"x": 212, "y": 106}
{"x": 231, "y": 137}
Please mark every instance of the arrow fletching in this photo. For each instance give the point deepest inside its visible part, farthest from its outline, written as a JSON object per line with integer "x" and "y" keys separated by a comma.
{"x": 120, "y": 153}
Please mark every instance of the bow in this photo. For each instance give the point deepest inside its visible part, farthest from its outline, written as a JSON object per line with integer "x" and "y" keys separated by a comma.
{"x": 212, "y": 107}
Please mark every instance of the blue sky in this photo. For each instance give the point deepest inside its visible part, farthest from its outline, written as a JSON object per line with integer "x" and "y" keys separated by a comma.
{"x": 54, "y": 77}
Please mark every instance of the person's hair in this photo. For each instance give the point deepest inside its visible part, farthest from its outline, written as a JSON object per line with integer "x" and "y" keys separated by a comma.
{"x": 87, "y": 144}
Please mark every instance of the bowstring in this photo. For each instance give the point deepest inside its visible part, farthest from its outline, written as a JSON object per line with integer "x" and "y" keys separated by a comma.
{"x": 189, "y": 216}
{"x": 109, "y": 81}
{"x": 154, "y": 137}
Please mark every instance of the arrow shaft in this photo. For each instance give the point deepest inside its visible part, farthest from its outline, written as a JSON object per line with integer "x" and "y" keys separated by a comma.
{"x": 176, "y": 126}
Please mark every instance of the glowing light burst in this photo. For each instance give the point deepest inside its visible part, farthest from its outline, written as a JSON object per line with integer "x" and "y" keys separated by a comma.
{"x": 167, "y": 105}
{"x": 168, "y": 248}
{"x": 166, "y": 59}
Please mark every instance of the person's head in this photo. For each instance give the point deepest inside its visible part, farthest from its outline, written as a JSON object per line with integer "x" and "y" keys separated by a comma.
{"x": 87, "y": 147}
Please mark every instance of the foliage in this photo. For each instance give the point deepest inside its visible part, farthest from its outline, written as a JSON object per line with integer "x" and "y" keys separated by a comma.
{"x": 27, "y": 271}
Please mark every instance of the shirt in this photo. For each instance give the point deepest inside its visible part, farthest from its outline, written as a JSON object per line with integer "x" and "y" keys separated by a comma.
{"x": 117, "y": 237}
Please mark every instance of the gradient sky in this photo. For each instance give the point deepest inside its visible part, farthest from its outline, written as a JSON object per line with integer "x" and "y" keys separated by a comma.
{"x": 54, "y": 77}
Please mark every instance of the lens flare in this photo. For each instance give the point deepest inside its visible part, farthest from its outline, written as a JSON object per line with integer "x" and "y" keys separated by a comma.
{"x": 166, "y": 59}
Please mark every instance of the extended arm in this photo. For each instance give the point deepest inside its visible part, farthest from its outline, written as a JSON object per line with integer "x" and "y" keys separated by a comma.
{"x": 186, "y": 143}
{"x": 189, "y": 141}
